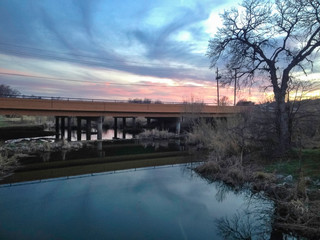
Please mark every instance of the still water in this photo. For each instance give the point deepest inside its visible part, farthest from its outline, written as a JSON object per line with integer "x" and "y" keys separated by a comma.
{"x": 167, "y": 202}
{"x": 107, "y": 134}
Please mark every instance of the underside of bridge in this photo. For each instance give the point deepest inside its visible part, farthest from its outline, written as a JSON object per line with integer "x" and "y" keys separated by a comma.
{"x": 93, "y": 125}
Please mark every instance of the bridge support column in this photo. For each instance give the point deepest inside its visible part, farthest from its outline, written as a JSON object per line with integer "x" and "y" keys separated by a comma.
{"x": 88, "y": 129}
{"x": 57, "y": 128}
{"x": 178, "y": 126}
{"x": 134, "y": 123}
{"x": 115, "y": 128}
{"x": 63, "y": 128}
{"x": 124, "y": 123}
{"x": 148, "y": 122}
{"x": 69, "y": 128}
{"x": 99, "y": 128}
{"x": 78, "y": 128}
{"x": 161, "y": 124}
{"x": 124, "y": 126}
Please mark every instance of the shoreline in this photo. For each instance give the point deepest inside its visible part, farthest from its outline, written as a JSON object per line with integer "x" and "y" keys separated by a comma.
{"x": 296, "y": 204}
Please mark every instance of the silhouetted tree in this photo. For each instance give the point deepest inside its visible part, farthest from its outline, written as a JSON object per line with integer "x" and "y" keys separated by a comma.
{"x": 7, "y": 91}
{"x": 225, "y": 101}
{"x": 273, "y": 38}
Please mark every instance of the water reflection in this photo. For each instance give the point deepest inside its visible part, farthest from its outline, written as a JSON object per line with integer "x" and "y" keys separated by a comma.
{"x": 244, "y": 225}
{"x": 106, "y": 135}
{"x": 149, "y": 203}
{"x": 254, "y": 221}
{"x": 45, "y": 156}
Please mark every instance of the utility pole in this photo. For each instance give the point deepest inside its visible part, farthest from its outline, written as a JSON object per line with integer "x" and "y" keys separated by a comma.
{"x": 235, "y": 87}
{"x": 217, "y": 78}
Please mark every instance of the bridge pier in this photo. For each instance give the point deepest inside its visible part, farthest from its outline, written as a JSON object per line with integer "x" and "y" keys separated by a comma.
{"x": 79, "y": 128}
{"x": 115, "y": 128}
{"x": 178, "y": 126}
{"x": 69, "y": 128}
{"x": 57, "y": 128}
{"x": 63, "y": 127}
{"x": 124, "y": 123}
{"x": 134, "y": 123}
{"x": 124, "y": 126}
{"x": 88, "y": 129}
{"x": 148, "y": 122}
{"x": 99, "y": 127}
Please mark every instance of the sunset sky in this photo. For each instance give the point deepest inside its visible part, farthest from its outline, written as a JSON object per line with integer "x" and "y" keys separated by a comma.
{"x": 112, "y": 49}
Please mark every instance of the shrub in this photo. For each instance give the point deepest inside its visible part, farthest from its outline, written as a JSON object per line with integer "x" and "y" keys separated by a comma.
{"x": 155, "y": 133}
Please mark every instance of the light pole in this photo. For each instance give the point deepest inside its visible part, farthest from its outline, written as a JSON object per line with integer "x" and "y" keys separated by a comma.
{"x": 217, "y": 78}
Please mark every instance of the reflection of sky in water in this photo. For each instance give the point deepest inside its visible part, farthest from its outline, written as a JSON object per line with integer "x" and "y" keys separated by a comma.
{"x": 161, "y": 203}
{"x": 106, "y": 134}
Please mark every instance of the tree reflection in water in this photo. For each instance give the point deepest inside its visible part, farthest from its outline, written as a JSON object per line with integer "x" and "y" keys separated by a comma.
{"x": 253, "y": 222}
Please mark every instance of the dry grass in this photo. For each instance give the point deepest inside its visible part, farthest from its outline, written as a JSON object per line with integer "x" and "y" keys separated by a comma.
{"x": 223, "y": 138}
{"x": 229, "y": 170}
{"x": 156, "y": 134}
{"x": 7, "y": 163}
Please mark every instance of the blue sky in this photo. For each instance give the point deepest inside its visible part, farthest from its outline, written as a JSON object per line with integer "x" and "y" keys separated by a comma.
{"x": 110, "y": 49}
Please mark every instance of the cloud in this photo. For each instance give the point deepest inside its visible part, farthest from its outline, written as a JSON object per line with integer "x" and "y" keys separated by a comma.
{"x": 60, "y": 27}
{"x": 106, "y": 41}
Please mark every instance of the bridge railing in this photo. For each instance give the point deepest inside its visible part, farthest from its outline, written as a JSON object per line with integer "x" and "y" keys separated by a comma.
{"x": 136, "y": 101}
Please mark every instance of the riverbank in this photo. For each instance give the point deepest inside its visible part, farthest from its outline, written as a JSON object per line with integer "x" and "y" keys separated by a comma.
{"x": 296, "y": 196}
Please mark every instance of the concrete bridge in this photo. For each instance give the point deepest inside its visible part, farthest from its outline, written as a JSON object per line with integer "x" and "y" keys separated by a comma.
{"x": 95, "y": 110}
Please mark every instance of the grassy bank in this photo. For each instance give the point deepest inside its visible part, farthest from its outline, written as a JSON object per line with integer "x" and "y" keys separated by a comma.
{"x": 309, "y": 161}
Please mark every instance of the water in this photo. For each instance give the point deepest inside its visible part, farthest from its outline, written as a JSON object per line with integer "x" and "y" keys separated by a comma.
{"x": 107, "y": 134}
{"x": 148, "y": 203}
{"x": 131, "y": 192}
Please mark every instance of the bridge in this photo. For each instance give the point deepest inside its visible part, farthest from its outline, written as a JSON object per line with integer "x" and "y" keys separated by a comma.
{"x": 94, "y": 109}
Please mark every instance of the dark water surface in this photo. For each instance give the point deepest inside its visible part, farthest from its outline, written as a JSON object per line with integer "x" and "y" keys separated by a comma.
{"x": 145, "y": 202}
{"x": 151, "y": 203}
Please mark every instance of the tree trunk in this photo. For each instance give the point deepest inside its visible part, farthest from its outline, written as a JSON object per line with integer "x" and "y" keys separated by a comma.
{"x": 282, "y": 122}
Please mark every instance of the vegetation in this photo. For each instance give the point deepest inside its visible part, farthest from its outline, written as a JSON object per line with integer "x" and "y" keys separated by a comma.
{"x": 275, "y": 39}
{"x": 240, "y": 148}
{"x": 137, "y": 100}
{"x": 156, "y": 134}
{"x": 7, "y": 91}
{"x": 310, "y": 164}
{"x": 145, "y": 101}
{"x": 7, "y": 163}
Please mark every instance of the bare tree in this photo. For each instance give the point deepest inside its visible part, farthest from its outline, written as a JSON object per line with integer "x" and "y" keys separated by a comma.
{"x": 274, "y": 38}
{"x": 225, "y": 101}
{"x": 7, "y": 91}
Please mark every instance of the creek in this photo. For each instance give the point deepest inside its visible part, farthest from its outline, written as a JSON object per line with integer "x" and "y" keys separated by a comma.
{"x": 124, "y": 191}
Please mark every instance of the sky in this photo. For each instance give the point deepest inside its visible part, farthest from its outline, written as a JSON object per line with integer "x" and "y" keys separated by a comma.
{"x": 106, "y": 49}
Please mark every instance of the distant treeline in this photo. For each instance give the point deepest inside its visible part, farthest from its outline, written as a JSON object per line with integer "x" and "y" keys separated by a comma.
{"x": 146, "y": 101}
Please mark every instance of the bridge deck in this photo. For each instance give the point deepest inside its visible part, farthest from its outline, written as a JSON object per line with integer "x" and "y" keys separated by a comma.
{"x": 54, "y": 107}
